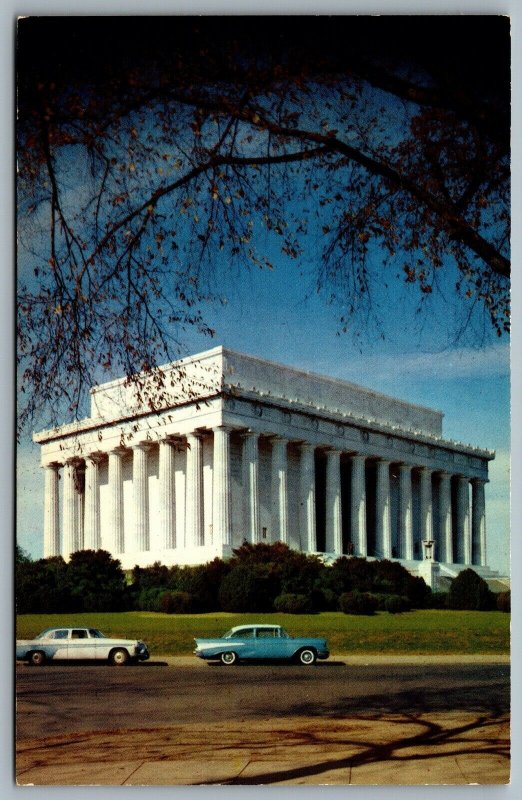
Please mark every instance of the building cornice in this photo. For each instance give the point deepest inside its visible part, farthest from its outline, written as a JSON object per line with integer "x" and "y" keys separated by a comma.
{"x": 363, "y": 423}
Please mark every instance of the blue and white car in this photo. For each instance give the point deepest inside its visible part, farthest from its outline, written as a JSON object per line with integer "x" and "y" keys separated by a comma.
{"x": 257, "y": 642}
{"x": 78, "y": 644}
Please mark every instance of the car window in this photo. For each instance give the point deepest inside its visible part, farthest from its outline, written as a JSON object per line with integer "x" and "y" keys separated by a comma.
{"x": 62, "y": 634}
{"x": 79, "y": 634}
{"x": 96, "y": 634}
{"x": 267, "y": 633}
{"x": 246, "y": 633}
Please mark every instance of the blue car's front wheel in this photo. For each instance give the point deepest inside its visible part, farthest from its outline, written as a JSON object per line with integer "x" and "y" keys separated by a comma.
{"x": 229, "y": 658}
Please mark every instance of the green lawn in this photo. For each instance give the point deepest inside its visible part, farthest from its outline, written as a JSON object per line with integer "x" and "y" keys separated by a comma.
{"x": 427, "y": 632}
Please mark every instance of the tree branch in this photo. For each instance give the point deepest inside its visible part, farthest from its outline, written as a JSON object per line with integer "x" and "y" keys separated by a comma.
{"x": 214, "y": 162}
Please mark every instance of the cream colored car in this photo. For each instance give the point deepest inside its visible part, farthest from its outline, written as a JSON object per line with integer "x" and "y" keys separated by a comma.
{"x": 78, "y": 644}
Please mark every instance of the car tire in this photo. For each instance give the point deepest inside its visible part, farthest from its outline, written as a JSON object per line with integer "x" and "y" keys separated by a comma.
{"x": 119, "y": 657}
{"x": 37, "y": 658}
{"x": 228, "y": 658}
{"x": 307, "y": 656}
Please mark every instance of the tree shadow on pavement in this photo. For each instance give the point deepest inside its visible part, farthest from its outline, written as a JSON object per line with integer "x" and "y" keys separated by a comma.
{"x": 481, "y": 707}
{"x": 454, "y": 741}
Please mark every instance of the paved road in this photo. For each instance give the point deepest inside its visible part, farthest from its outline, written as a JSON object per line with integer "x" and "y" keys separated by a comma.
{"x": 74, "y": 698}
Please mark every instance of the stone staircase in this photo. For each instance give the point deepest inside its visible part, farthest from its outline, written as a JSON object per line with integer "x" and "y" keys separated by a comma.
{"x": 495, "y": 581}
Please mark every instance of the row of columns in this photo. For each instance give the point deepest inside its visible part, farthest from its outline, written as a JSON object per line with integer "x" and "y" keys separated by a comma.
{"x": 81, "y": 510}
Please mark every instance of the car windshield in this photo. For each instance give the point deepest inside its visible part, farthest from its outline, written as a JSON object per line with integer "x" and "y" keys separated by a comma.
{"x": 45, "y": 634}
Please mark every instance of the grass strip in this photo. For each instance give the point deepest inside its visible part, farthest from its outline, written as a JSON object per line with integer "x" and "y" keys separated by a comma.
{"x": 420, "y": 632}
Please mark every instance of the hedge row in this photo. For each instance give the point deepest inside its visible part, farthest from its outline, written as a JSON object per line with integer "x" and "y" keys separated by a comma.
{"x": 258, "y": 578}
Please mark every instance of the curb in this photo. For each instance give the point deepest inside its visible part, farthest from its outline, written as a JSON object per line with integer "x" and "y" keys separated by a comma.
{"x": 341, "y": 659}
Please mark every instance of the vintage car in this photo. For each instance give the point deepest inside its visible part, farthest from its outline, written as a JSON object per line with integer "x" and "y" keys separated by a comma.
{"x": 253, "y": 642}
{"x": 55, "y": 644}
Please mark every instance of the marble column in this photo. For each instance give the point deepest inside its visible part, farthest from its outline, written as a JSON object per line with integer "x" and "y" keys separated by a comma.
{"x": 358, "y": 503}
{"x": 426, "y": 505}
{"x": 194, "y": 492}
{"x": 478, "y": 520}
{"x": 307, "y": 503}
{"x": 116, "y": 519}
{"x": 79, "y": 484}
{"x": 167, "y": 511}
{"x": 405, "y": 512}
{"x": 222, "y": 488}
{"x": 280, "y": 489}
{"x": 140, "y": 483}
{"x": 51, "y": 511}
{"x": 251, "y": 484}
{"x": 71, "y": 522}
{"x": 383, "y": 539}
{"x": 334, "y": 532}
{"x": 445, "y": 520}
{"x": 463, "y": 520}
{"x": 92, "y": 534}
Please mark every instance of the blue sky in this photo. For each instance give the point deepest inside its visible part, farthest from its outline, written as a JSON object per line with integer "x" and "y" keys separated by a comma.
{"x": 277, "y": 315}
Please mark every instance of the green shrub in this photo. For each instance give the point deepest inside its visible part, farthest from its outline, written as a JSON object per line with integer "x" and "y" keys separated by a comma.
{"x": 96, "y": 581}
{"x": 92, "y": 580}
{"x": 348, "y": 574}
{"x": 203, "y": 582}
{"x": 380, "y": 599}
{"x": 504, "y": 601}
{"x": 248, "y": 588}
{"x": 436, "y": 600}
{"x": 469, "y": 592}
{"x": 42, "y": 587}
{"x": 149, "y": 599}
{"x": 154, "y": 576}
{"x": 324, "y": 599}
{"x": 176, "y": 603}
{"x": 417, "y": 591}
{"x": 395, "y": 604}
{"x": 293, "y": 603}
{"x": 390, "y": 577}
{"x": 356, "y": 602}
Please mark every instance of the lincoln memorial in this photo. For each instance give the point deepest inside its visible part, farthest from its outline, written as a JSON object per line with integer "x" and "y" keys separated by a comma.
{"x": 246, "y": 449}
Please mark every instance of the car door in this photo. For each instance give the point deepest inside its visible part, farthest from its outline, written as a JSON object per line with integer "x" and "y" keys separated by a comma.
{"x": 269, "y": 643}
{"x": 246, "y": 643}
{"x": 56, "y": 644}
{"x": 101, "y": 645}
{"x": 81, "y": 645}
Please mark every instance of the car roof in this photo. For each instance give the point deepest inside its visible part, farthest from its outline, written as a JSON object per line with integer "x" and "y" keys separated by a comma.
{"x": 254, "y": 625}
{"x": 67, "y": 628}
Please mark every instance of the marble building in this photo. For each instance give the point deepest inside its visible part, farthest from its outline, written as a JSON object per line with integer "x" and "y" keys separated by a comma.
{"x": 246, "y": 449}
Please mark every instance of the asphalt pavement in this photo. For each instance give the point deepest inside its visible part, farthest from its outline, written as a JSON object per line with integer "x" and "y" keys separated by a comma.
{"x": 364, "y": 745}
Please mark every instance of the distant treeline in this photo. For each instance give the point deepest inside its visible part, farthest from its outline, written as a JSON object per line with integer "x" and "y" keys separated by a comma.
{"x": 258, "y": 578}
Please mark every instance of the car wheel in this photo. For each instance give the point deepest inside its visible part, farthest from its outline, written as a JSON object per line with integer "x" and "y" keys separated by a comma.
{"x": 228, "y": 658}
{"x": 37, "y": 659}
{"x": 307, "y": 656}
{"x": 119, "y": 657}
